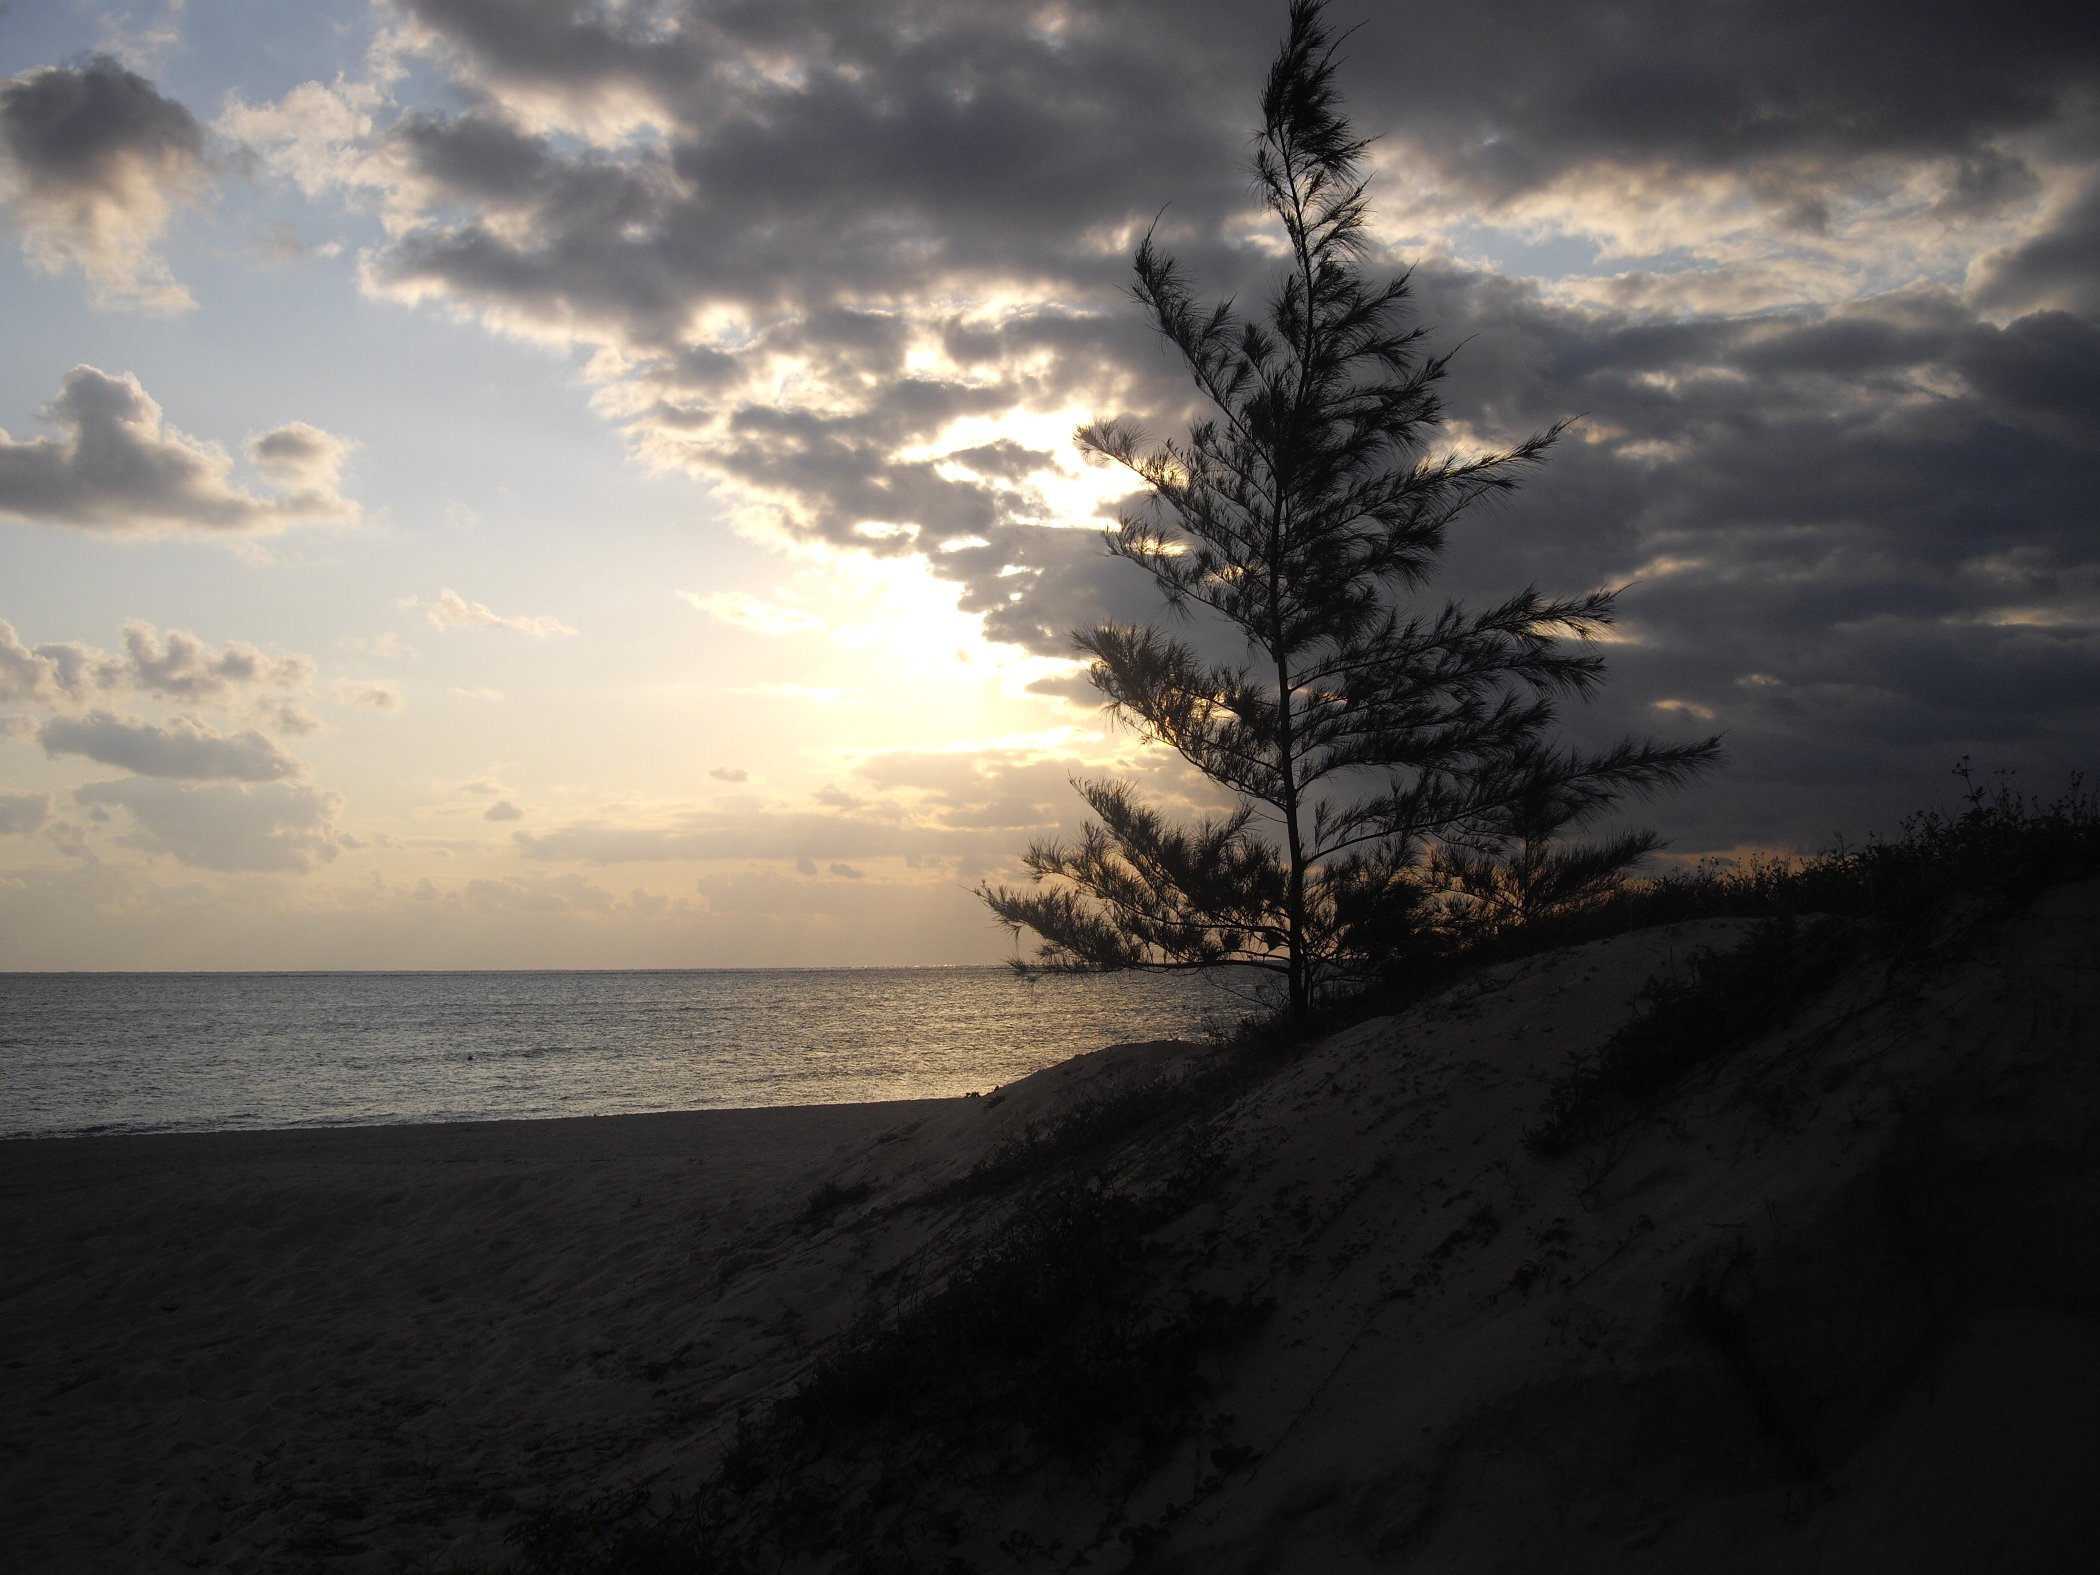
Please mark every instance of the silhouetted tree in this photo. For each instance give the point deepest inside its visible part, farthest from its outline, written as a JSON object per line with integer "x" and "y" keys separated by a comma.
{"x": 1388, "y": 758}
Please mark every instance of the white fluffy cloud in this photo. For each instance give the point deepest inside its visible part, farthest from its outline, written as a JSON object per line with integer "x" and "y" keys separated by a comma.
{"x": 117, "y": 466}
{"x": 450, "y": 610}
{"x": 94, "y": 162}
{"x": 301, "y": 456}
{"x": 168, "y": 665}
{"x": 24, "y": 674}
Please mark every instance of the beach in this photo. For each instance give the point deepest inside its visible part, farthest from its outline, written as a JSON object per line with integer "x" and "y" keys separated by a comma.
{"x": 338, "y": 1346}
{"x": 1831, "y": 1305}
{"x": 308, "y": 1335}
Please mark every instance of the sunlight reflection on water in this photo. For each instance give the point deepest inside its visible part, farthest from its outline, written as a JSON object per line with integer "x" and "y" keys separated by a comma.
{"x": 200, "y": 1052}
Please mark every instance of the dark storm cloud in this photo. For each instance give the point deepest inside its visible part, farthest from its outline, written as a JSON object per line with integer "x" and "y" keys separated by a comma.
{"x": 92, "y": 161}
{"x": 1863, "y": 536}
{"x": 75, "y": 127}
{"x": 820, "y": 171}
{"x": 2052, "y": 269}
{"x": 1511, "y": 96}
{"x": 473, "y": 155}
{"x": 1836, "y": 346}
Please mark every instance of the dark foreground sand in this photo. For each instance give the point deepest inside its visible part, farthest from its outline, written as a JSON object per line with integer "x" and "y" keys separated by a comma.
{"x": 299, "y": 1340}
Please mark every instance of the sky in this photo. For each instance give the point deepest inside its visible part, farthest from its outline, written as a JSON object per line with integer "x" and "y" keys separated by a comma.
{"x": 589, "y": 483}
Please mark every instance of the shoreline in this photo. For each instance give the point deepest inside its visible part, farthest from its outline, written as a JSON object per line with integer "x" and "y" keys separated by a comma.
{"x": 668, "y": 1117}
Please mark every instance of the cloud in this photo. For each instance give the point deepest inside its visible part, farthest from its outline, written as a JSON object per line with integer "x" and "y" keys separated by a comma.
{"x": 179, "y": 666}
{"x": 118, "y": 467}
{"x": 931, "y": 224}
{"x": 719, "y": 773}
{"x": 451, "y": 610}
{"x": 714, "y": 833}
{"x": 269, "y": 826}
{"x": 313, "y": 136}
{"x": 972, "y": 790}
{"x": 2050, "y": 270}
{"x": 172, "y": 665}
{"x": 93, "y": 164}
{"x": 745, "y": 611}
{"x": 974, "y": 800}
{"x": 536, "y": 893}
{"x": 385, "y": 698}
{"x": 503, "y": 809}
{"x": 184, "y": 748}
{"x": 299, "y": 455}
{"x": 24, "y": 674}
{"x": 1834, "y": 329}
{"x": 22, "y": 813}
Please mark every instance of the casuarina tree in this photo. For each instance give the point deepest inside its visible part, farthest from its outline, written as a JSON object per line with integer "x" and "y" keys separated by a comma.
{"x": 1391, "y": 759}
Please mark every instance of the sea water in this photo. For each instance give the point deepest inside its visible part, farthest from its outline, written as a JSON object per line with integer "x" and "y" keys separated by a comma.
{"x": 193, "y": 1052}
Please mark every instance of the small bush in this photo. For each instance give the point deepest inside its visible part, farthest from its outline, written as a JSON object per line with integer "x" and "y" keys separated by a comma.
{"x": 829, "y": 1198}
{"x": 1724, "y": 1000}
{"x": 1089, "y": 1126}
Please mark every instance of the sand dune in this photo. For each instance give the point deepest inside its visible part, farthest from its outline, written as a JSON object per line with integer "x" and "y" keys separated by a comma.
{"x": 1833, "y": 1308}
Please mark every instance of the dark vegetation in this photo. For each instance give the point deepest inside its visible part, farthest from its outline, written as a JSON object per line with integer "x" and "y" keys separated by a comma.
{"x": 1388, "y": 757}
{"x": 1724, "y": 1000}
{"x": 1094, "y": 1126}
{"x": 1068, "y": 1345}
{"x": 1999, "y": 848}
{"x": 1816, "y": 916}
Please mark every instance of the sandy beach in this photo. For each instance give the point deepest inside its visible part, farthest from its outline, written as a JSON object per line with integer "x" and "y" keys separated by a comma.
{"x": 1831, "y": 1308}
{"x": 341, "y": 1346}
{"x": 303, "y": 1334}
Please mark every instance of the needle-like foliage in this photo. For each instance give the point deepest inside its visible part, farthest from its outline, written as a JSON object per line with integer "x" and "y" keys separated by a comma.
{"x": 1389, "y": 758}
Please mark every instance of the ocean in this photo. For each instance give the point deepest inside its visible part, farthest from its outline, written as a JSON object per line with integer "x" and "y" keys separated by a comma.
{"x": 205, "y": 1052}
